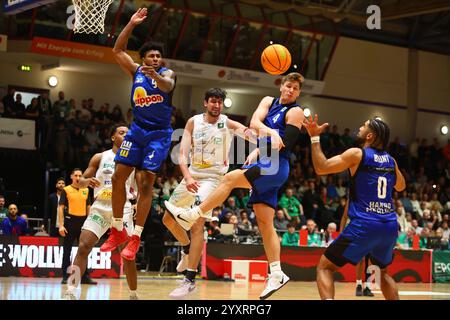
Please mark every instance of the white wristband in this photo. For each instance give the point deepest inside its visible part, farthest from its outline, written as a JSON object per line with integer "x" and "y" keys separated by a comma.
{"x": 315, "y": 139}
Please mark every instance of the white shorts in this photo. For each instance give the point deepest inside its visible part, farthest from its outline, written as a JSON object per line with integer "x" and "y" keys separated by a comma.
{"x": 100, "y": 216}
{"x": 183, "y": 198}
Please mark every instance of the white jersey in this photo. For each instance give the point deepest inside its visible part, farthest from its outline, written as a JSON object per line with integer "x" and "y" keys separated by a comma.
{"x": 104, "y": 174}
{"x": 210, "y": 147}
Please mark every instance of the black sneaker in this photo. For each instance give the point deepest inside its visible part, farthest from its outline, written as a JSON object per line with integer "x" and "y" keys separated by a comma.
{"x": 367, "y": 292}
{"x": 359, "y": 290}
{"x": 88, "y": 280}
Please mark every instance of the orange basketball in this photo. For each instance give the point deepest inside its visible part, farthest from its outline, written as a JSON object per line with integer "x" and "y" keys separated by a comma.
{"x": 276, "y": 59}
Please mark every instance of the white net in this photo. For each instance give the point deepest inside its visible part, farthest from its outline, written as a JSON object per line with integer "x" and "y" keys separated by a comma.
{"x": 90, "y": 15}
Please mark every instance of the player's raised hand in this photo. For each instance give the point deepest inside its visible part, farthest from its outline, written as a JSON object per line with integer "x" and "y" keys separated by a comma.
{"x": 312, "y": 126}
{"x": 139, "y": 16}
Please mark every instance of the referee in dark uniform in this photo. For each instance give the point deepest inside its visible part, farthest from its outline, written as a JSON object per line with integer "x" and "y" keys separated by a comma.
{"x": 75, "y": 202}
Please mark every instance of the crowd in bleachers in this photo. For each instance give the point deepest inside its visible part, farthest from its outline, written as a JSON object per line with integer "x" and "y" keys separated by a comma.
{"x": 72, "y": 132}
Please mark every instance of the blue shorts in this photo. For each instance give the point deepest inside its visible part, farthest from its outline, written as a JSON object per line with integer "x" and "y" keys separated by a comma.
{"x": 144, "y": 149}
{"x": 266, "y": 177}
{"x": 362, "y": 237}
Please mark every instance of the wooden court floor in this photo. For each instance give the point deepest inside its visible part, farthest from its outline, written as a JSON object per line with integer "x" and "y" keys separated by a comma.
{"x": 158, "y": 288}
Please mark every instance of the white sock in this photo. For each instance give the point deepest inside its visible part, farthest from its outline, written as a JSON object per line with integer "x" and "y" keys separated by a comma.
{"x": 329, "y": 299}
{"x": 275, "y": 267}
{"x": 118, "y": 223}
{"x": 359, "y": 282}
{"x": 71, "y": 289}
{"x": 138, "y": 231}
{"x": 133, "y": 293}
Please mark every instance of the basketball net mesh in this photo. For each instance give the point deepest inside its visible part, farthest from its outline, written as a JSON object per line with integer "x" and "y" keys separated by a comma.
{"x": 90, "y": 15}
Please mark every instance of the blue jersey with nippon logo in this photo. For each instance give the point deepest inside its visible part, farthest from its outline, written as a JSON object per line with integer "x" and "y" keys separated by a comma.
{"x": 152, "y": 107}
{"x": 276, "y": 119}
{"x": 371, "y": 187}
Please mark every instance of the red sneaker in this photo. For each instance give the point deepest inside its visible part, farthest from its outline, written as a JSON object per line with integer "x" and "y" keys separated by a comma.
{"x": 115, "y": 239}
{"x": 129, "y": 252}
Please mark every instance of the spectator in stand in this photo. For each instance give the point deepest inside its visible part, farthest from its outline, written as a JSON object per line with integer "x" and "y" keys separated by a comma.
{"x": 72, "y": 110}
{"x": 331, "y": 188}
{"x": 129, "y": 118}
{"x": 292, "y": 207}
{"x": 3, "y": 210}
{"x": 45, "y": 106}
{"x": 445, "y": 230}
{"x": 85, "y": 116}
{"x": 244, "y": 223}
{"x": 415, "y": 204}
{"x": 311, "y": 201}
{"x": 18, "y": 108}
{"x": 14, "y": 224}
{"x": 346, "y": 140}
{"x": 32, "y": 110}
{"x": 414, "y": 153}
{"x": 158, "y": 188}
{"x": 281, "y": 220}
{"x": 116, "y": 115}
{"x": 416, "y": 227}
{"x": 213, "y": 229}
{"x": 405, "y": 239}
{"x": 241, "y": 198}
{"x": 61, "y": 144}
{"x": 92, "y": 138}
{"x": 52, "y": 211}
{"x": 314, "y": 239}
{"x": 61, "y": 107}
{"x": 102, "y": 116}
{"x": 328, "y": 236}
{"x": 401, "y": 216}
{"x": 336, "y": 138}
{"x": 231, "y": 206}
{"x": 341, "y": 189}
{"x": 8, "y": 103}
{"x": 406, "y": 202}
{"x": 77, "y": 141}
{"x": 435, "y": 204}
{"x": 291, "y": 237}
{"x": 91, "y": 107}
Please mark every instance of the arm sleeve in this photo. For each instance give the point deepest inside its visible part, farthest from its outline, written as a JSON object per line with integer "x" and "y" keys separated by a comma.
{"x": 290, "y": 138}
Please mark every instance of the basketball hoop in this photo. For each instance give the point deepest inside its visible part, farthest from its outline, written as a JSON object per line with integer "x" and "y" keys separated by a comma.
{"x": 90, "y": 15}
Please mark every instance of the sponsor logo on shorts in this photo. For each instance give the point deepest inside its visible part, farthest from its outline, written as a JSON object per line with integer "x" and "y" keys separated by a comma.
{"x": 125, "y": 148}
{"x": 99, "y": 220}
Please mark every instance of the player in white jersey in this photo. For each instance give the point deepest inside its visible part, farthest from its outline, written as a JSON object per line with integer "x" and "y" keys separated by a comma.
{"x": 98, "y": 176}
{"x": 208, "y": 136}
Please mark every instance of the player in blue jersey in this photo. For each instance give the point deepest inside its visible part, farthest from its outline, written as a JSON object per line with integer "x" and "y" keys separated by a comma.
{"x": 277, "y": 122}
{"x": 373, "y": 222}
{"x": 147, "y": 143}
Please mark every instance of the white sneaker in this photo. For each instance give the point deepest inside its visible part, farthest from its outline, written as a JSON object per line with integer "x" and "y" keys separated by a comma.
{"x": 133, "y": 297}
{"x": 69, "y": 295}
{"x": 184, "y": 217}
{"x": 274, "y": 283}
{"x": 186, "y": 287}
{"x": 183, "y": 264}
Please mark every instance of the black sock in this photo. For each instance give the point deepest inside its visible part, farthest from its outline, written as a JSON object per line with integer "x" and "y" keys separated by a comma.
{"x": 186, "y": 248}
{"x": 190, "y": 275}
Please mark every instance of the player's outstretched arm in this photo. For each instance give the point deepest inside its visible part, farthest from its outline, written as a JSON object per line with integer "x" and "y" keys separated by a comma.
{"x": 120, "y": 47}
{"x": 88, "y": 179}
{"x": 242, "y": 131}
{"x": 400, "y": 183}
